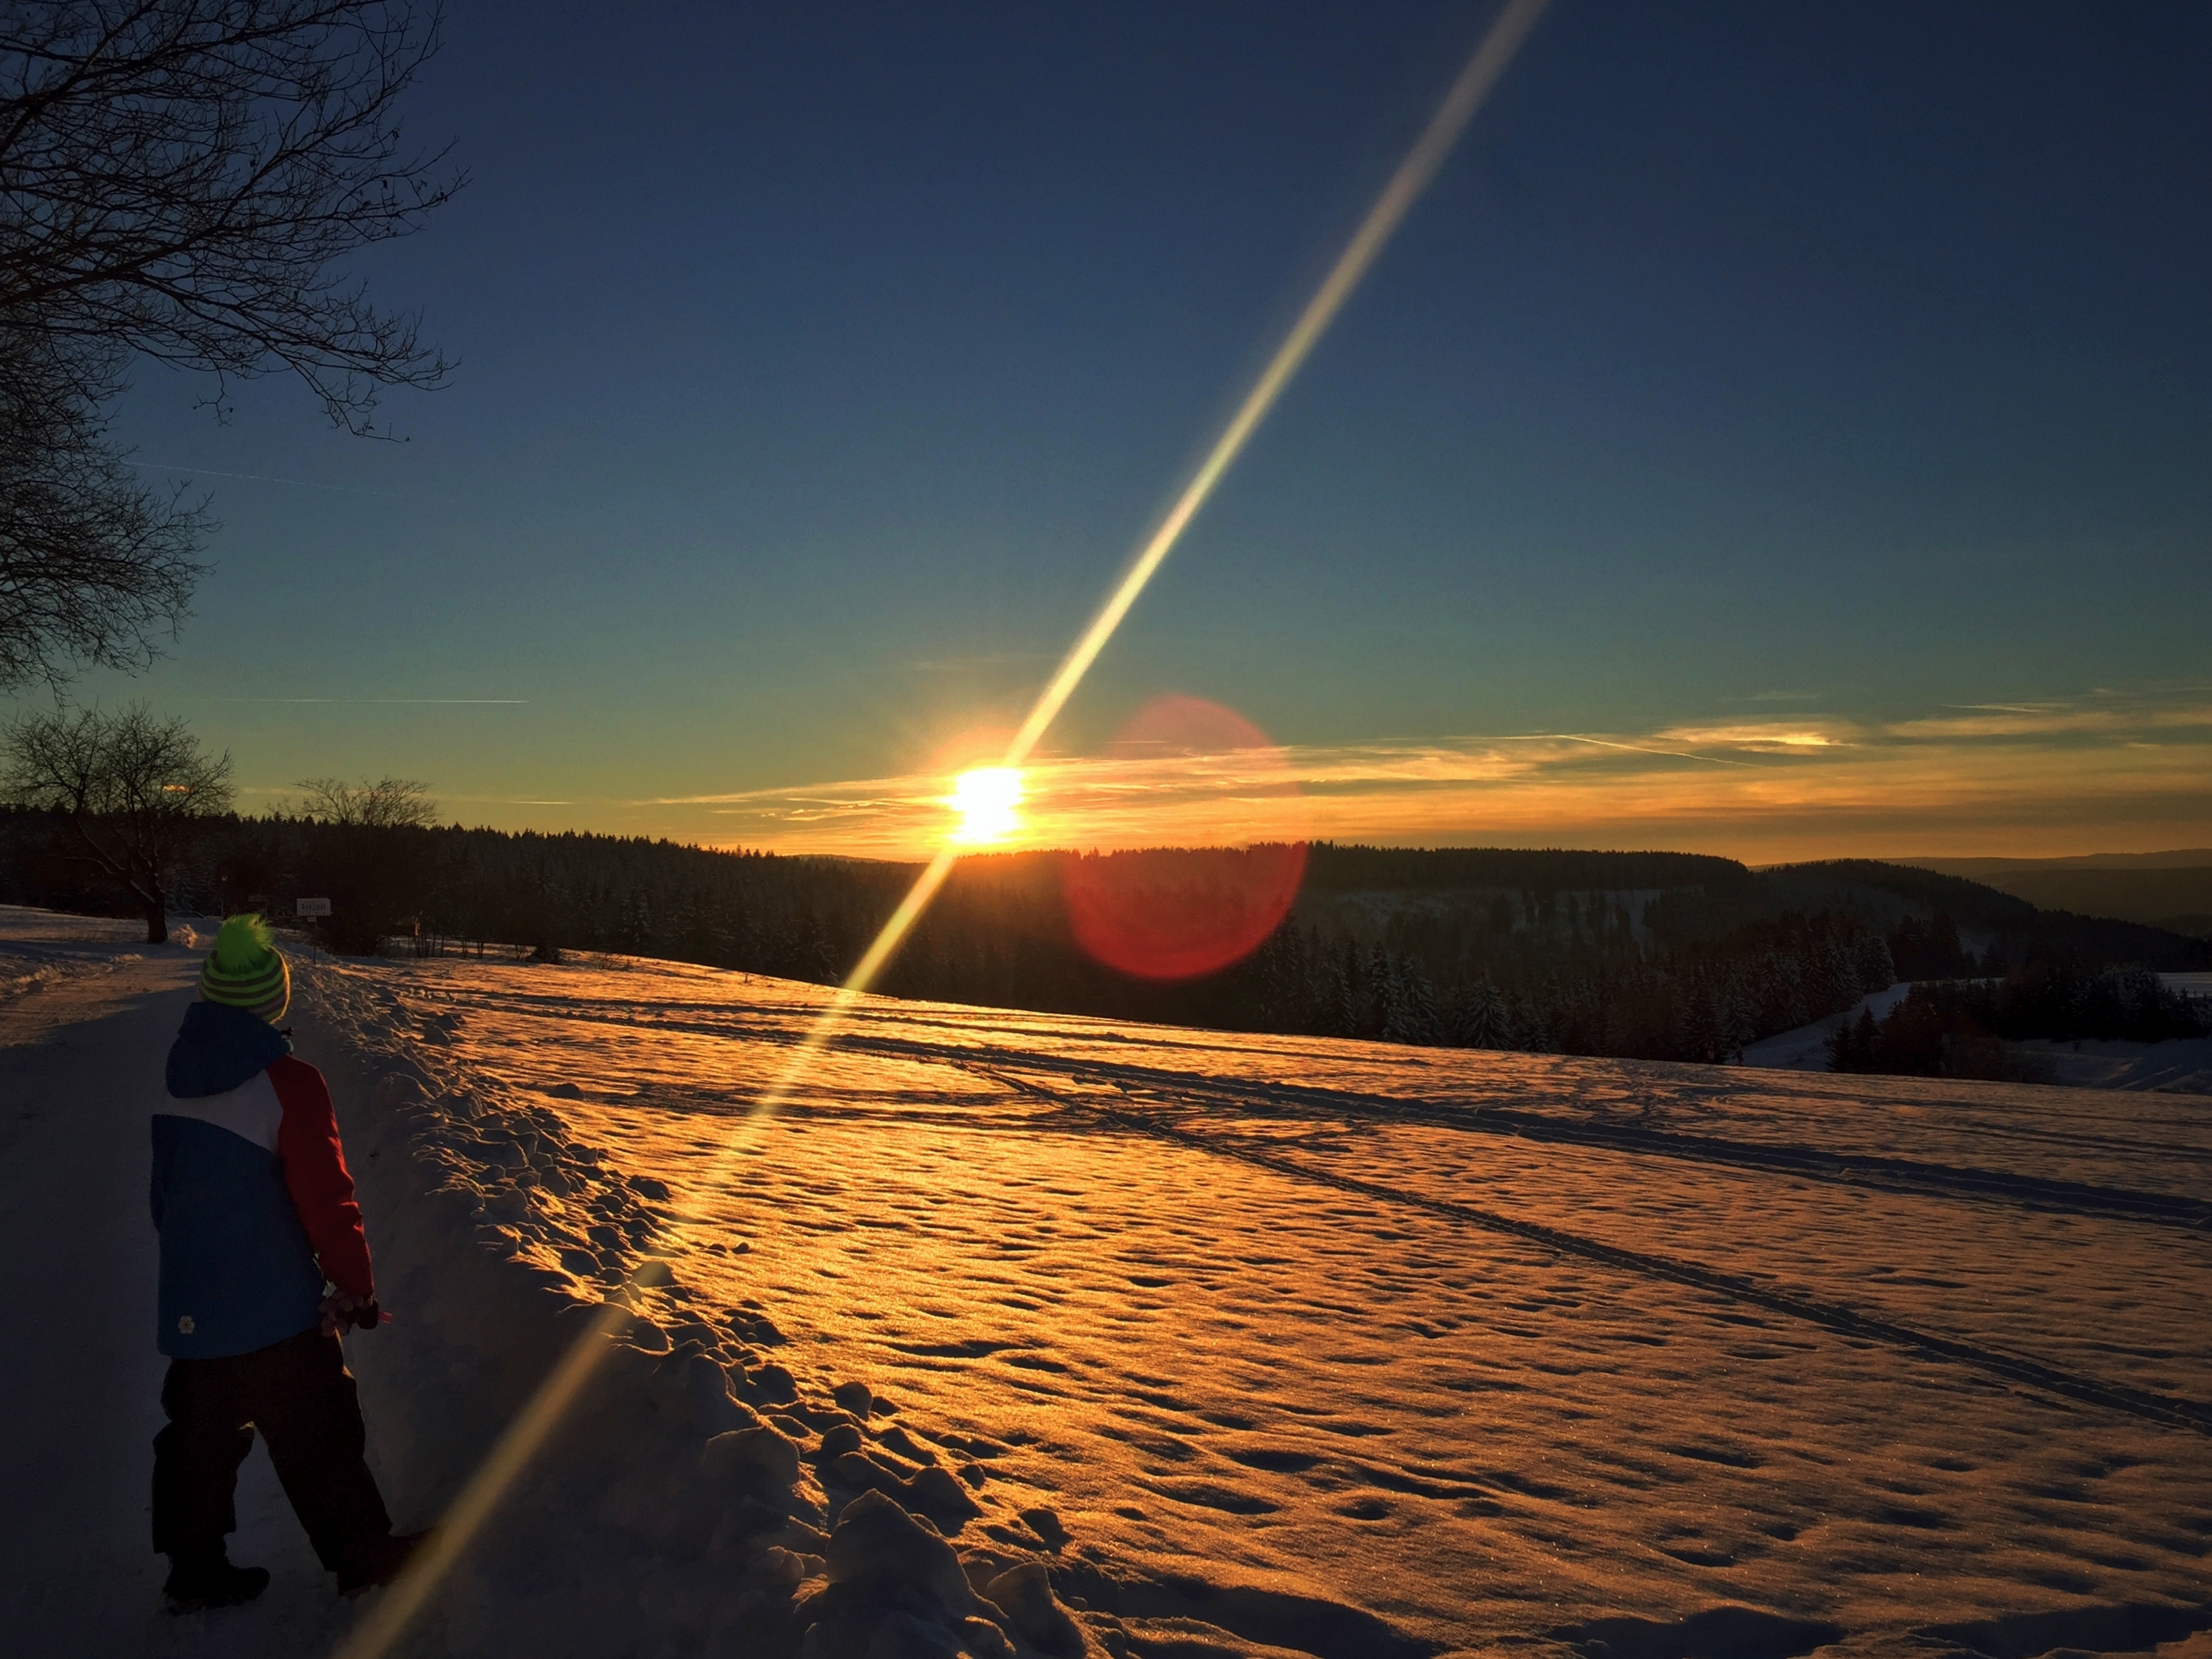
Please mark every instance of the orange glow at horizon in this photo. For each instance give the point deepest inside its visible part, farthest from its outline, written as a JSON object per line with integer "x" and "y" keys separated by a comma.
{"x": 2111, "y": 772}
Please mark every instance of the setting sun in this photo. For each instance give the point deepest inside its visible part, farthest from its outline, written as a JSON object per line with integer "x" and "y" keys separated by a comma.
{"x": 985, "y": 798}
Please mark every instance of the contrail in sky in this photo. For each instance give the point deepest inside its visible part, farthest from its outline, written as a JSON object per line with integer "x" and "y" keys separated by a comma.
{"x": 261, "y": 478}
{"x": 1633, "y": 749}
{"x": 523, "y": 1436}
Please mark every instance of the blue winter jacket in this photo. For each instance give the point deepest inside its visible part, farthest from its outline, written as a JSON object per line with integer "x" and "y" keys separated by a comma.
{"x": 251, "y": 1194}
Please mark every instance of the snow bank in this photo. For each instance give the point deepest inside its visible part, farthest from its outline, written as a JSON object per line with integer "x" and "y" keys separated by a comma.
{"x": 700, "y": 1498}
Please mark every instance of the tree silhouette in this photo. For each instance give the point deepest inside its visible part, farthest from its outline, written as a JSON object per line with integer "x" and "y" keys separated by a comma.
{"x": 387, "y": 804}
{"x": 131, "y": 787}
{"x": 181, "y": 179}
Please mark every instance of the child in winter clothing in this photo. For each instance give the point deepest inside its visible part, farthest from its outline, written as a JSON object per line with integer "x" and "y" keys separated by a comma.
{"x": 255, "y": 1208}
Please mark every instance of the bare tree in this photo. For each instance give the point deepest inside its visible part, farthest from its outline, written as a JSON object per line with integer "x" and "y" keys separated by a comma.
{"x": 92, "y": 562}
{"x": 387, "y": 804}
{"x": 129, "y": 786}
{"x": 183, "y": 178}
{"x": 181, "y": 175}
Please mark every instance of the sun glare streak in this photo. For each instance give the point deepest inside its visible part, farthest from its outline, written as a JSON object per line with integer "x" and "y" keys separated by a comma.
{"x": 1390, "y": 208}
{"x": 989, "y": 786}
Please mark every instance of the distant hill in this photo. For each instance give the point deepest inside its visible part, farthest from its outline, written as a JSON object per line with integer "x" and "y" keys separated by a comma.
{"x": 2186, "y": 858}
{"x": 1334, "y": 868}
{"x": 1433, "y": 902}
{"x": 2010, "y": 928}
{"x": 1875, "y": 889}
{"x": 2171, "y": 891}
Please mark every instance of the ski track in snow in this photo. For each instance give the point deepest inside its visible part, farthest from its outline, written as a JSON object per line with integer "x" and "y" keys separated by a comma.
{"x": 1214, "y": 1371}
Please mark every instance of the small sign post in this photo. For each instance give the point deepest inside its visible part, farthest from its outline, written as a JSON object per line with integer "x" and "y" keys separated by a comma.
{"x": 313, "y": 909}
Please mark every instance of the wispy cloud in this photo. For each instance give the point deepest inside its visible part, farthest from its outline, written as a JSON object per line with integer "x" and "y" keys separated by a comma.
{"x": 1696, "y": 741}
{"x": 2107, "y": 770}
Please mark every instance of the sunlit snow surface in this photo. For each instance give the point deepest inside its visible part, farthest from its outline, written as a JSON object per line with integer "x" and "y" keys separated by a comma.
{"x": 1325, "y": 1373}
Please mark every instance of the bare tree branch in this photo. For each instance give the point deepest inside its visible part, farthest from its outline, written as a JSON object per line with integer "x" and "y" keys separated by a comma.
{"x": 387, "y": 804}
{"x": 93, "y": 563}
{"x": 184, "y": 176}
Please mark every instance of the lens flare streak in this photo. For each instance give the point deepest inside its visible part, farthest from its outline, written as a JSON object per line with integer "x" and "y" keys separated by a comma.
{"x": 527, "y": 1432}
{"x": 1390, "y": 208}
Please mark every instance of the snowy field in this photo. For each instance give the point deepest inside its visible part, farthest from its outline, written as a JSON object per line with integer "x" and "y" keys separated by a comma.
{"x": 1258, "y": 1343}
{"x": 2178, "y": 1066}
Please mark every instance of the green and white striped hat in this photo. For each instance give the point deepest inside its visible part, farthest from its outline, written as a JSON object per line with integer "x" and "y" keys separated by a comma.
{"x": 245, "y": 971}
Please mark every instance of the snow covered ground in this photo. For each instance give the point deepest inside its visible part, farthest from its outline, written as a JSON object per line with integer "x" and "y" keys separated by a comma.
{"x": 2179, "y": 1065}
{"x": 1251, "y": 1343}
{"x": 1805, "y": 1047}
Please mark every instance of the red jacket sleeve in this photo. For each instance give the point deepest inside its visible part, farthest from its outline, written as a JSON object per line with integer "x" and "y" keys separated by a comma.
{"x": 316, "y": 1174}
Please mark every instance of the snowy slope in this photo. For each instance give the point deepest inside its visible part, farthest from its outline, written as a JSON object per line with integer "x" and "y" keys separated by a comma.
{"x": 1360, "y": 1349}
{"x": 2178, "y": 1066}
{"x": 1805, "y": 1047}
{"x": 1230, "y": 1345}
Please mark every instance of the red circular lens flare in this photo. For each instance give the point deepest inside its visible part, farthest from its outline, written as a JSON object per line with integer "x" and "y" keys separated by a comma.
{"x": 1175, "y": 912}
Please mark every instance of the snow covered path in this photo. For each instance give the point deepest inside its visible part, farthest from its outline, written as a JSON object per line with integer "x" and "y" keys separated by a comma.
{"x": 82, "y": 1043}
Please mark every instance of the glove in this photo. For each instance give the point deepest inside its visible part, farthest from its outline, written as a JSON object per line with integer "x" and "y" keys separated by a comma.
{"x": 341, "y": 1310}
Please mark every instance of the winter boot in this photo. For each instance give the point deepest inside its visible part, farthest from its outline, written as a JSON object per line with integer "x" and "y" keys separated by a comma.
{"x": 209, "y": 1581}
{"x": 379, "y": 1563}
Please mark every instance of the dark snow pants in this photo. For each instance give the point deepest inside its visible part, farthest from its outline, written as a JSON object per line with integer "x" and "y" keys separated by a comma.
{"x": 299, "y": 1394}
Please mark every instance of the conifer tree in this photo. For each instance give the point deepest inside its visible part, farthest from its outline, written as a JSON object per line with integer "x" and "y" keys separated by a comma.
{"x": 1351, "y": 982}
{"x": 1482, "y": 1022}
{"x": 1413, "y": 1012}
{"x": 1841, "y": 1057}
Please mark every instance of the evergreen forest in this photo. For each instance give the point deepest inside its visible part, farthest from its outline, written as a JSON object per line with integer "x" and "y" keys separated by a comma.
{"x": 1656, "y": 956}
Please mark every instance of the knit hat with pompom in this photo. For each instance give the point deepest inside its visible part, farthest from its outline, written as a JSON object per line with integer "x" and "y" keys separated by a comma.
{"x": 245, "y": 971}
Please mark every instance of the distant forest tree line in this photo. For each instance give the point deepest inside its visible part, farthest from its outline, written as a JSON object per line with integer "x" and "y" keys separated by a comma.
{"x": 1648, "y": 956}
{"x": 1959, "y": 1027}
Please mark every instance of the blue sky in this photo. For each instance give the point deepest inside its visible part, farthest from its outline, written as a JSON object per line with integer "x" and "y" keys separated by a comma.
{"x": 1780, "y": 385}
